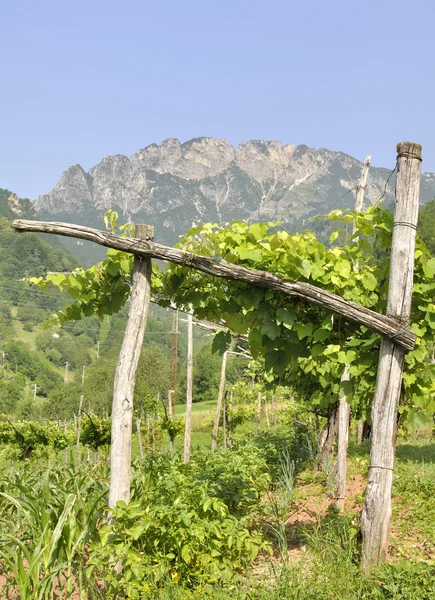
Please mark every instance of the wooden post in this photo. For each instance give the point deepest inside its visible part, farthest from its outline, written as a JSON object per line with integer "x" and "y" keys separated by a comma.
{"x": 343, "y": 406}
{"x": 139, "y": 437}
{"x": 343, "y": 441}
{"x": 189, "y": 390}
{"x": 79, "y": 429}
{"x": 230, "y": 420}
{"x": 359, "y": 431}
{"x": 125, "y": 377}
{"x": 224, "y": 420}
{"x": 219, "y": 403}
{"x": 171, "y": 418}
{"x": 376, "y": 514}
{"x": 258, "y": 413}
{"x": 272, "y": 403}
{"x": 266, "y": 412}
{"x": 362, "y": 185}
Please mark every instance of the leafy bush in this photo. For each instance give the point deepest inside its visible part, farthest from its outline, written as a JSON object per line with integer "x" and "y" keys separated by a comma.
{"x": 173, "y": 529}
{"x": 238, "y": 476}
{"x": 296, "y": 443}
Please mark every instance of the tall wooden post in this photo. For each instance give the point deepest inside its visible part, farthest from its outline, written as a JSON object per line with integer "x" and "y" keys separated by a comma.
{"x": 125, "y": 376}
{"x": 258, "y": 413}
{"x": 343, "y": 406}
{"x": 376, "y": 514}
{"x": 79, "y": 430}
{"x": 219, "y": 402}
{"x": 342, "y": 446}
{"x": 189, "y": 390}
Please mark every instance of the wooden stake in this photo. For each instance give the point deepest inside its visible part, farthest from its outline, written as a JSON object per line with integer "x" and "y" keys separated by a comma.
{"x": 139, "y": 437}
{"x": 125, "y": 377}
{"x": 230, "y": 420}
{"x": 343, "y": 406}
{"x": 258, "y": 413}
{"x": 171, "y": 418}
{"x": 189, "y": 390}
{"x": 359, "y": 433}
{"x": 266, "y": 412}
{"x": 272, "y": 403}
{"x": 219, "y": 403}
{"x": 79, "y": 429}
{"x": 376, "y": 515}
{"x": 362, "y": 185}
{"x": 224, "y": 420}
{"x": 343, "y": 441}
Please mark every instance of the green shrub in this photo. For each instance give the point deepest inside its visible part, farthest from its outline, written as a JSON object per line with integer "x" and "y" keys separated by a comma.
{"x": 173, "y": 530}
{"x": 238, "y": 476}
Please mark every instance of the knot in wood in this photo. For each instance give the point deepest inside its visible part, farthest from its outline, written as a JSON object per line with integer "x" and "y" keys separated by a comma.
{"x": 126, "y": 404}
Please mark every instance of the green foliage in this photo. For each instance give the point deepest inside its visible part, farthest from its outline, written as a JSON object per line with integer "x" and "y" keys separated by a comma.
{"x": 30, "y": 315}
{"x": 173, "y": 529}
{"x": 25, "y": 439}
{"x": 48, "y": 519}
{"x": 95, "y": 431}
{"x": 33, "y": 366}
{"x": 299, "y": 343}
{"x": 62, "y": 347}
{"x": 237, "y": 477}
{"x": 426, "y": 225}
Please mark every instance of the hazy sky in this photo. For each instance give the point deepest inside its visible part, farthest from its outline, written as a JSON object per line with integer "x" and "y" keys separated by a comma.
{"x": 83, "y": 79}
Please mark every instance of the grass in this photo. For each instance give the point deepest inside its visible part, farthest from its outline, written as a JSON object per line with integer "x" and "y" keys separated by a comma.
{"x": 318, "y": 558}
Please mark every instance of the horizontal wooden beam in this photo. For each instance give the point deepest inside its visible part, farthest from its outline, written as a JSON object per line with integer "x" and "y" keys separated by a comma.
{"x": 382, "y": 324}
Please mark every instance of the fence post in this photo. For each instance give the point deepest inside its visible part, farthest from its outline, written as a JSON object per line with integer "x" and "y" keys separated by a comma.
{"x": 219, "y": 402}
{"x": 189, "y": 390}
{"x": 125, "y": 376}
{"x": 376, "y": 514}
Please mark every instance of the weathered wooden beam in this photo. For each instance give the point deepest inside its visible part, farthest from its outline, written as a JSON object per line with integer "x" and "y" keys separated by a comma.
{"x": 382, "y": 324}
{"x": 376, "y": 514}
{"x": 125, "y": 377}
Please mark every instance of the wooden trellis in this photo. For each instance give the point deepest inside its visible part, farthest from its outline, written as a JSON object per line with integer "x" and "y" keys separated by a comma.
{"x": 397, "y": 337}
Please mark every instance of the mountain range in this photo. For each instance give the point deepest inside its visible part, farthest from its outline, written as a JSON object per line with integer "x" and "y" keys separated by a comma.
{"x": 174, "y": 184}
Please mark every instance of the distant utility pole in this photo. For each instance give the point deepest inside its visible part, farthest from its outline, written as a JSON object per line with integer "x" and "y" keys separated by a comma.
{"x": 65, "y": 380}
{"x": 98, "y": 349}
{"x": 34, "y": 393}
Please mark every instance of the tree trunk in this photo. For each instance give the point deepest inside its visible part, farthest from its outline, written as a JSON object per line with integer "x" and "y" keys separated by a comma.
{"x": 376, "y": 514}
{"x": 219, "y": 403}
{"x": 343, "y": 441}
{"x": 189, "y": 391}
{"x": 125, "y": 377}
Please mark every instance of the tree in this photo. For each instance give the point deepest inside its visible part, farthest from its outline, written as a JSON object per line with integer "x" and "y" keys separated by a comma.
{"x": 426, "y": 226}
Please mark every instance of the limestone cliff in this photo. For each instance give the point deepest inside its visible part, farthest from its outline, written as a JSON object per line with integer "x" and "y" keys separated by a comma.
{"x": 173, "y": 184}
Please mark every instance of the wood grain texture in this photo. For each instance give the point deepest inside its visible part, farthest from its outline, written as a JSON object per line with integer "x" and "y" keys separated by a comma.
{"x": 376, "y": 514}
{"x": 342, "y": 446}
{"x": 221, "y": 393}
{"x": 189, "y": 390}
{"x": 382, "y": 324}
{"x": 125, "y": 376}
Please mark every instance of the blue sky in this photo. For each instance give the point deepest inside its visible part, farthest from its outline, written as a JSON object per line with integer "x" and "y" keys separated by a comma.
{"x": 84, "y": 79}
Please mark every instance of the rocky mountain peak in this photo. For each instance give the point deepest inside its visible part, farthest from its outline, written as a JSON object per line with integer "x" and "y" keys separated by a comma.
{"x": 172, "y": 184}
